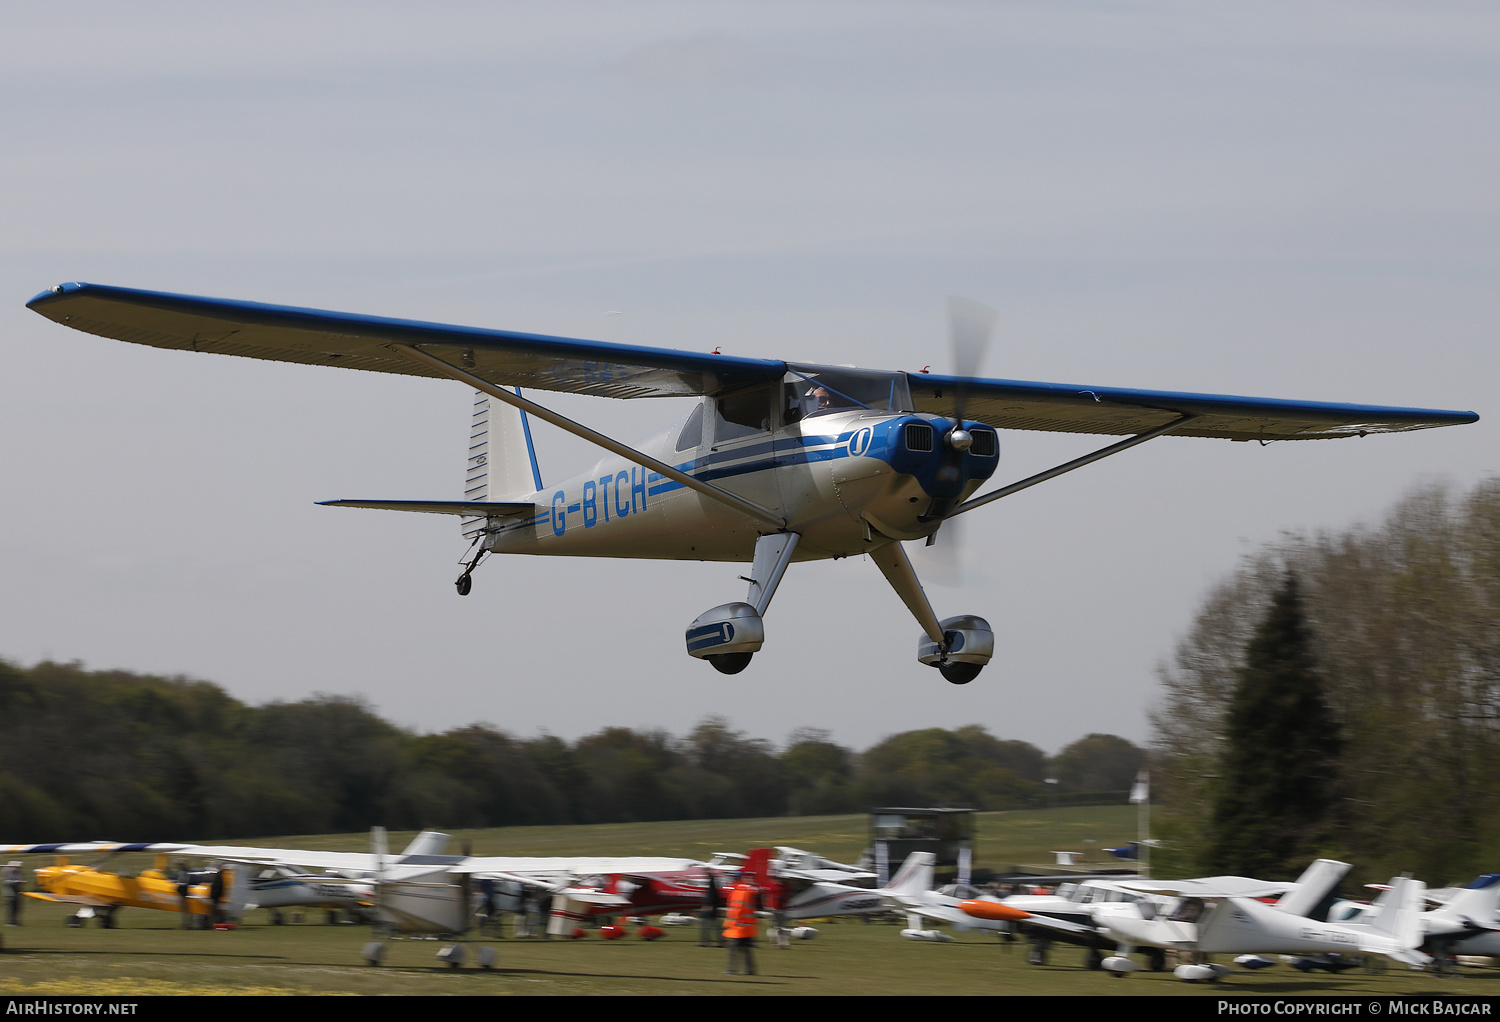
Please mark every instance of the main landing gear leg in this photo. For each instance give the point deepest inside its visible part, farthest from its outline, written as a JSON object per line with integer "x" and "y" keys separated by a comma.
{"x": 729, "y": 635}
{"x": 959, "y": 647}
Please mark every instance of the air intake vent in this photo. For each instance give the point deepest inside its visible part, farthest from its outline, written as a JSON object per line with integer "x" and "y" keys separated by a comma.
{"x": 986, "y": 443}
{"x": 918, "y": 436}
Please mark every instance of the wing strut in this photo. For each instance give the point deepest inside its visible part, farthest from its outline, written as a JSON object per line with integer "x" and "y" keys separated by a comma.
{"x": 1087, "y": 459}
{"x": 744, "y": 507}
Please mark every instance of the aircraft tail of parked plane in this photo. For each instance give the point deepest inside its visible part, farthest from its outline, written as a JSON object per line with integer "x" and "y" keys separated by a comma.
{"x": 914, "y": 878}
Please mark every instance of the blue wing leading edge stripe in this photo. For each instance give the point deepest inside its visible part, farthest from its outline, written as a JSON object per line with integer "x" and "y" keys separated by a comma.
{"x": 315, "y": 330}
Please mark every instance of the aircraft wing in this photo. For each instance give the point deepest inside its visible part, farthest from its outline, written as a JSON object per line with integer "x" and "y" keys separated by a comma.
{"x": 1056, "y": 925}
{"x": 308, "y": 859}
{"x": 313, "y": 337}
{"x": 569, "y": 866}
{"x": 1211, "y": 887}
{"x": 540, "y": 362}
{"x": 1078, "y": 408}
{"x": 824, "y": 876}
{"x": 89, "y": 848}
{"x": 548, "y": 871}
{"x": 71, "y": 899}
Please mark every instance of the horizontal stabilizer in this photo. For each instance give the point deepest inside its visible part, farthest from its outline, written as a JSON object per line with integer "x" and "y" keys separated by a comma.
{"x": 470, "y": 508}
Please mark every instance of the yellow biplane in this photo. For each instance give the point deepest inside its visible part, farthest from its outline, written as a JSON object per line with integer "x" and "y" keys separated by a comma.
{"x": 101, "y": 893}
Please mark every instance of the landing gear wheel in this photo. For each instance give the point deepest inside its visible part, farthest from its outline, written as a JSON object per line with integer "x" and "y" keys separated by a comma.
{"x": 729, "y": 663}
{"x": 1156, "y": 960}
{"x": 960, "y": 673}
{"x": 464, "y": 584}
{"x": 1094, "y": 959}
{"x": 1036, "y": 955}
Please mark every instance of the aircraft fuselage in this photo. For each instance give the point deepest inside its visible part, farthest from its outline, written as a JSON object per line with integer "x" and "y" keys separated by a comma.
{"x": 845, "y": 481}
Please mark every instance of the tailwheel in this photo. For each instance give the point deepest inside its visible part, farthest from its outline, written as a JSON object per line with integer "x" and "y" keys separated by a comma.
{"x": 466, "y": 580}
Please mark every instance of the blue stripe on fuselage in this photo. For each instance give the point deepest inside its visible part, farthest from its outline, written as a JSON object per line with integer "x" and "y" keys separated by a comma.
{"x": 783, "y": 453}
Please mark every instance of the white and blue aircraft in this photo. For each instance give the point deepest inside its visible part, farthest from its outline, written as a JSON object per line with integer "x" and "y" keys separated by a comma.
{"x": 778, "y": 461}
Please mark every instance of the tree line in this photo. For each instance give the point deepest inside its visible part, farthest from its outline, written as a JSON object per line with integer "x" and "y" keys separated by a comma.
{"x": 1339, "y": 696}
{"x": 121, "y": 756}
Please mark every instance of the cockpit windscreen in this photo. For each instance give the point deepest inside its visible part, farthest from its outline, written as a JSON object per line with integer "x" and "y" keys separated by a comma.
{"x": 819, "y": 390}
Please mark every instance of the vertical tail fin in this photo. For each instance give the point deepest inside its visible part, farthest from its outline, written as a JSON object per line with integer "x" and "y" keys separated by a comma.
{"x": 1400, "y": 916}
{"x": 1315, "y": 888}
{"x": 757, "y": 866}
{"x": 1477, "y": 903}
{"x": 429, "y": 842}
{"x": 914, "y": 877}
{"x": 502, "y": 459}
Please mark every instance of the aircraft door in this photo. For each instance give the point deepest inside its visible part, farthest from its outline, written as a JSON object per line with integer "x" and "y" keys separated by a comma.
{"x": 740, "y": 457}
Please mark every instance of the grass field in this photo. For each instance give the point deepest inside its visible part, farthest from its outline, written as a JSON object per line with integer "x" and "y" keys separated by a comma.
{"x": 149, "y": 955}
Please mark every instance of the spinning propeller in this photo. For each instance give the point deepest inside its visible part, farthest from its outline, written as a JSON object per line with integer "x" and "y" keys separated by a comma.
{"x": 971, "y": 325}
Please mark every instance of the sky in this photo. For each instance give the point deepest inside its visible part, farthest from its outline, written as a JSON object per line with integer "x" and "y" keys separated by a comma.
{"x": 1280, "y": 199}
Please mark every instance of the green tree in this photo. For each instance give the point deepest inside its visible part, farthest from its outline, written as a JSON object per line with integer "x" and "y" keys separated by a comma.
{"x": 1405, "y": 618}
{"x": 818, "y": 772}
{"x": 1276, "y": 795}
{"x": 1098, "y": 763}
{"x": 935, "y": 767}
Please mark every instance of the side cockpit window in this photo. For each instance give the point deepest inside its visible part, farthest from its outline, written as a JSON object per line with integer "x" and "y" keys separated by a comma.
{"x": 692, "y": 432}
{"x": 742, "y": 414}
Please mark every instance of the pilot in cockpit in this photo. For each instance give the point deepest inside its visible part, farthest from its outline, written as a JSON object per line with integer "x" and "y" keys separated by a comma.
{"x": 824, "y": 401}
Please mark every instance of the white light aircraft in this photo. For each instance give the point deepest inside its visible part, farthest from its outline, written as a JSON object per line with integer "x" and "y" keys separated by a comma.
{"x": 910, "y": 891}
{"x": 778, "y": 462}
{"x": 1206, "y": 920}
{"x": 1466, "y": 921}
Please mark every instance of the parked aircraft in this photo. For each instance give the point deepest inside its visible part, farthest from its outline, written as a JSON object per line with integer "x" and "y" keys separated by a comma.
{"x": 1209, "y": 921}
{"x": 101, "y": 893}
{"x": 651, "y": 893}
{"x": 276, "y": 886}
{"x": 421, "y": 889}
{"x": 778, "y": 462}
{"x": 1465, "y": 922}
{"x": 282, "y": 887}
{"x": 1067, "y": 916}
{"x": 910, "y": 891}
{"x": 1073, "y": 914}
{"x": 808, "y": 885}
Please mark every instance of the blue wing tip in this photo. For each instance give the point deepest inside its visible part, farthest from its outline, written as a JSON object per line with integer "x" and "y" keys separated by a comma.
{"x": 54, "y": 292}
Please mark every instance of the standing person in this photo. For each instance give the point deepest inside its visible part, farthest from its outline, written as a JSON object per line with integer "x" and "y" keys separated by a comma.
{"x": 708, "y": 914}
{"x": 14, "y": 878}
{"x": 489, "y": 905}
{"x": 526, "y": 918}
{"x": 215, "y": 894}
{"x": 776, "y": 901}
{"x": 183, "y": 877}
{"x": 741, "y": 925}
